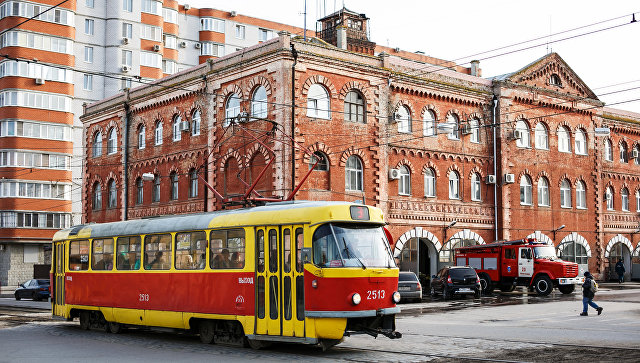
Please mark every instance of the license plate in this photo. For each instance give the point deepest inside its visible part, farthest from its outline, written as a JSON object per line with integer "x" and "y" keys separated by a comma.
{"x": 465, "y": 289}
{"x": 404, "y": 288}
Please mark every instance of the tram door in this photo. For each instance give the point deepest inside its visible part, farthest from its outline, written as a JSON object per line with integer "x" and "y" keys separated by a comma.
{"x": 57, "y": 299}
{"x": 292, "y": 241}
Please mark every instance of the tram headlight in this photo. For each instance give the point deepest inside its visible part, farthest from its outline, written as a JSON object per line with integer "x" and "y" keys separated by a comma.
{"x": 396, "y": 297}
{"x": 355, "y": 298}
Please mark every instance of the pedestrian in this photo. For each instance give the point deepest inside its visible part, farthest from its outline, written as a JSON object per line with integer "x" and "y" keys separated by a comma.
{"x": 589, "y": 288}
{"x": 620, "y": 271}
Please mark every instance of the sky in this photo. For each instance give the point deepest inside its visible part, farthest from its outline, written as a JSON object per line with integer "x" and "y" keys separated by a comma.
{"x": 604, "y": 52}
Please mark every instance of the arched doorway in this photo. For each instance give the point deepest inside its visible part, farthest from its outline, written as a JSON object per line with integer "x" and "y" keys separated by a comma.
{"x": 417, "y": 251}
{"x": 461, "y": 239}
{"x": 635, "y": 263}
{"x": 575, "y": 248}
{"x": 618, "y": 248}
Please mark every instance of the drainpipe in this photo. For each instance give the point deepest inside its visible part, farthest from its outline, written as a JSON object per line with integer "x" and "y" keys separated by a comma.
{"x": 495, "y": 170}
{"x": 294, "y": 54}
{"x": 125, "y": 152}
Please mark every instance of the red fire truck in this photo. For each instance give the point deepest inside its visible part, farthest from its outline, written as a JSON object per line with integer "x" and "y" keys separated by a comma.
{"x": 523, "y": 262}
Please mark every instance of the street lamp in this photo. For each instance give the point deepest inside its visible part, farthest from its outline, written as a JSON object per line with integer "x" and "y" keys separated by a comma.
{"x": 556, "y": 230}
{"x": 453, "y": 223}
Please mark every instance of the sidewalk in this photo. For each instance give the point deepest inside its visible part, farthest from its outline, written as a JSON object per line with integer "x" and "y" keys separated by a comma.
{"x": 7, "y": 291}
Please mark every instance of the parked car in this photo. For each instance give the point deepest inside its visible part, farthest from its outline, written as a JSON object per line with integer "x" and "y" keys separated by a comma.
{"x": 409, "y": 287}
{"x": 36, "y": 289}
{"x": 456, "y": 280}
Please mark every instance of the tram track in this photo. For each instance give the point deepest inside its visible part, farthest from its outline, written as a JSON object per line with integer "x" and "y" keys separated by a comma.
{"x": 422, "y": 354}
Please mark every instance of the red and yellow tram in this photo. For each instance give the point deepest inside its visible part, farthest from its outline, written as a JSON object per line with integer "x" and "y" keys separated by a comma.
{"x": 308, "y": 272}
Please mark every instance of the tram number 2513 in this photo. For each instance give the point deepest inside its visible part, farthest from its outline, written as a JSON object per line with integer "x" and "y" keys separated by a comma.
{"x": 375, "y": 294}
{"x": 143, "y": 297}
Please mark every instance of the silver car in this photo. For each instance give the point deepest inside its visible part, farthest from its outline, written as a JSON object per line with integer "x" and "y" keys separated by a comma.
{"x": 409, "y": 286}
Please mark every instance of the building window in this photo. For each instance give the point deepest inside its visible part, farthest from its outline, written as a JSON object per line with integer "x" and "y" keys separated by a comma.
{"x": 259, "y": 103}
{"x": 231, "y": 109}
{"x": 112, "y": 202}
{"x": 573, "y": 252}
{"x": 403, "y": 118}
{"x": 353, "y": 174}
{"x": 581, "y": 195}
{"x": 404, "y": 184}
{"x": 624, "y": 155}
{"x": 454, "y": 185}
{"x": 212, "y": 49}
{"x": 543, "y": 192}
{"x": 126, "y": 58}
{"x": 212, "y": 24}
{"x": 637, "y": 200}
{"x": 141, "y": 137}
{"x": 177, "y": 136}
{"x": 624, "y": 199}
{"x": 542, "y": 136}
{"x": 193, "y": 183}
{"x": 580, "y": 142}
{"x": 127, "y": 5}
{"x": 155, "y": 194}
{"x": 608, "y": 150}
{"x": 173, "y": 177}
{"x": 112, "y": 141}
{"x": 89, "y": 3}
{"x": 321, "y": 158}
{"x": 454, "y": 124}
{"x": 170, "y": 41}
{"x": 96, "y": 148}
{"x": 87, "y": 84}
{"x": 318, "y": 105}
{"x": 429, "y": 183}
{"x": 563, "y": 140}
{"x": 88, "y": 26}
{"x": 429, "y": 123}
{"x": 240, "y": 30}
{"x": 127, "y": 30}
{"x": 636, "y": 157}
{"x": 97, "y": 196}
{"x": 139, "y": 191}
{"x": 169, "y": 66}
{"x": 157, "y": 133}
{"x": 195, "y": 123}
{"x": 565, "y": 194}
{"x": 152, "y": 7}
{"x": 554, "y": 80}
{"x": 525, "y": 190}
{"x": 88, "y": 54}
{"x": 149, "y": 59}
{"x": 170, "y": 15}
{"x": 474, "y": 128}
{"x": 608, "y": 196}
{"x": 476, "y": 187}
{"x": 354, "y": 107}
{"x": 264, "y": 34}
{"x": 523, "y": 139}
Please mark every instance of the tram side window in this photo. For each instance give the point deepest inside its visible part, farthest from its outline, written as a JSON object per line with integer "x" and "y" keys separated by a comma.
{"x": 128, "y": 257}
{"x": 191, "y": 249}
{"x": 286, "y": 237}
{"x": 102, "y": 254}
{"x": 273, "y": 251}
{"x": 227, "y": 249}
{"x": 299, "y": 246}
{"x": 79, "y": 255}
{"x": 157, "y": 252}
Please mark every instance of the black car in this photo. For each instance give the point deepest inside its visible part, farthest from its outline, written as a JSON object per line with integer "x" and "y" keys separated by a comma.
{"x": 36, "y": 289}
{"x": 409, "y": 287}
{"x": 456, "y": 280}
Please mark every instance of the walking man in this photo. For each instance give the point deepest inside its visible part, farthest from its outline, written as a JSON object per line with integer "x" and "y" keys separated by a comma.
{"x": 589, "y": 289}
{"x": 620, "y": 271}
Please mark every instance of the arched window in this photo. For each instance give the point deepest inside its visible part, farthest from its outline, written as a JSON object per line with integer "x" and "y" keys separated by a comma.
{"x": 636, "y": 155}
{"x": 318, "y": 105}
{"x": 353, "y": 174}
{"x": 523, "y": 139}
{"x": 454, "y": 185}
{"x": 474, "y": 128}
{"x": 404, "y": 184}
{"x": 429, "y": 183}
{"x": 563, "y": 140}
{"x": 112, "y": 141}
{"x": 354, "y": 107}
{"x": 173, "y": 178}
{"x": 157, "y": 133}
{"x": 476, "y": 185}
{"x": 454, "y": 123}
{"x": 429, "y": 123}
{"x": 155, "y": 193}
{"x": 581, "y": 142}
{"x": 581, "y": 195}
{"x": 573, "y": 252}
{"x": 608, "y": 150}
{"x": 177, "y": 136}
{"x": 403, "y": 117}
{"x": 624, "y": 155}
{"x": 139, "y": 191}
{"x": 322, "y": 159}
{"x": 543, "y": 192}
{"x": 565, "y": 194}
{"x": 624, "y": 199}
{"x": 141, "y": 137}
{"x": 554, "y": 80}
{"x": 96, "y": 149}
{"x": 112, "y": 202}
{"x": 525, "y": 190}
{"x": 608, "y": 196}
{"x": 195, "y": 123}
{"x": 97, "y": 196}
{"x": 231, "y": 109}
{"x": 193, "y": 183}
{"x": 542, "y": 137}
{"x": 259, "y": 102}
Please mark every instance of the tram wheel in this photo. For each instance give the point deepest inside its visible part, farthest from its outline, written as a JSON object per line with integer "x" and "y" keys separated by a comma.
{"x": 115, "y": 328}
{"x": 206, "y": 329}
{"x": 257, "y": 344}
{"x": 85, "y": 320}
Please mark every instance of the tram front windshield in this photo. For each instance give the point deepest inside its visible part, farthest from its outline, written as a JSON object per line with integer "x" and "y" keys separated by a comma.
{"x": 351, "y": 245}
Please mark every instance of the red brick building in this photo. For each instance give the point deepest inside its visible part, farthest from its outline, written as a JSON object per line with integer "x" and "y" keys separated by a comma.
{"x": 392, "y": 130}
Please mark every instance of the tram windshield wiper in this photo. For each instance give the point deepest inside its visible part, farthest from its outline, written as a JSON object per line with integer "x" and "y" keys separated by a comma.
{"x": 352, "y": 255}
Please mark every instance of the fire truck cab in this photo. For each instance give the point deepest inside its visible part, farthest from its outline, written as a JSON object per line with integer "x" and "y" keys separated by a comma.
{"x": 523, "y": 262}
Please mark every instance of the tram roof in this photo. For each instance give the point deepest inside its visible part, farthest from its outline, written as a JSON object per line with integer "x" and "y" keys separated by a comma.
{"x": 189, "y": 222}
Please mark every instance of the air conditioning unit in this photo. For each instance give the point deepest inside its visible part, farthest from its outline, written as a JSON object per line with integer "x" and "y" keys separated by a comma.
{"x": 509, "y": 179}
{"x": 187, "y": 6}
{"x": 465, "y": 129}
{"x": 125, "y": 40}
{"x": 156, "y": 48}
{"x": 396, "y": 49}
{"x": 634, "y": 152}
{"x": 183, "y": 44}
{"x": 184, "y": 126}
{"x": 125, "y": 69}
{"x": 490, "y": 179}
{"x": 394, "y": 174}
{"x": 233, "y": 13}
{"x": 41, "y": 81}
{"x": 198, "y": 45}
{"x": 517, "y": 134}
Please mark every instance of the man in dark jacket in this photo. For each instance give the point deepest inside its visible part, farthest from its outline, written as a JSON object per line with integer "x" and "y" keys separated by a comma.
{"x": 588, "y": 295}
{"x": 620, "y": 271}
